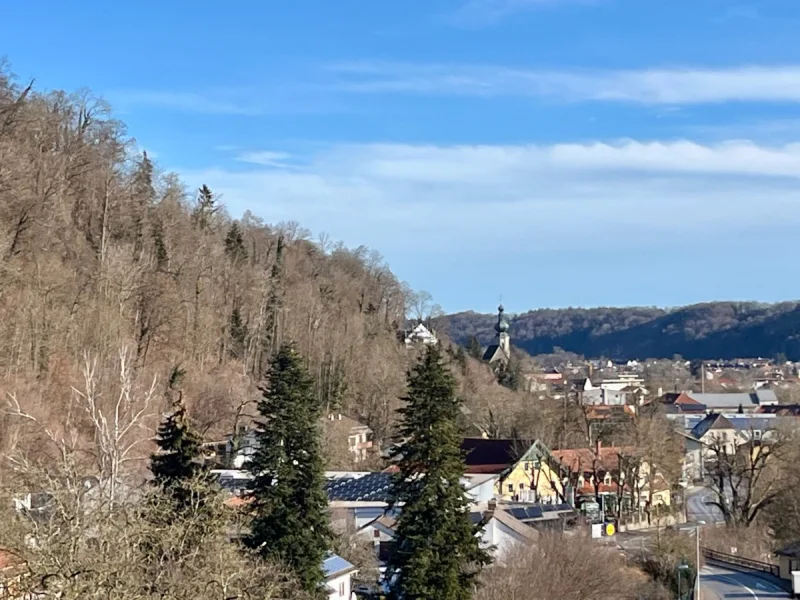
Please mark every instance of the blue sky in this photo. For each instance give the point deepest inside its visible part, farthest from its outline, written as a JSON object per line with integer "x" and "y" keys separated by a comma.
{"x": 554, "y": 152}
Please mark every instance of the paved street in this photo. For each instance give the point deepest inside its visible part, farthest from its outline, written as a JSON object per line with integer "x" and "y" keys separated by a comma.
{"x": 717, "y": 583}
{"x": 696, "y": 508}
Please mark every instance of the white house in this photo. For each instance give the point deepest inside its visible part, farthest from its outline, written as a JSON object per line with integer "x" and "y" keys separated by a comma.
{"x": 338, "y": 577}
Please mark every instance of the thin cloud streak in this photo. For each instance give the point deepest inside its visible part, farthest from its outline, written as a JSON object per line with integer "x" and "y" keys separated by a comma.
{"x": 690, "y": 85}
{"x": 624, "y": 195}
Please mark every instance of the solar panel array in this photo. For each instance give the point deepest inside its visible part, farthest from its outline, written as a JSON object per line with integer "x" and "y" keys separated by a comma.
{"x": 374, "y": 487}
{"x": 525, "y": 513}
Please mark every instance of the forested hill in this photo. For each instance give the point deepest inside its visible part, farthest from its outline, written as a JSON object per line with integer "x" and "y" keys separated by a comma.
{"x": 103, "y": 256}
{"x": 710, "y": 330}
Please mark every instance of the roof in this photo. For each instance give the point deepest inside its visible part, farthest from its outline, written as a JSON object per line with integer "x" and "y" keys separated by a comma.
{"x": 736, "y": 399}
{"x": 489, "y": 456}
{"x": 372, "y": 487}
{"x": 542, "y": 511}
{"x": 527, "y": 532}
{"x": 784, "y": 410}
{"x": 792, "y": 549}
{"x": 493, "y": 352}
{"x": 581, "y": 459}
{"x": 714, "y": 421}
{"x": 335, "y": 565}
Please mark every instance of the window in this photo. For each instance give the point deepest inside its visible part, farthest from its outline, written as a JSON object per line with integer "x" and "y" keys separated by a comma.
{"x": 341, "y": 589}
{"x": 527, "y": 466}
{"x": 376, "y": 533}
{"x": 510, "y": 487}
{"x": 522, "y": 486}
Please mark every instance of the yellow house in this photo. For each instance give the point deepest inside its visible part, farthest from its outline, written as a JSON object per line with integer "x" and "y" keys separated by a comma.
{"x": 527, "y": 473}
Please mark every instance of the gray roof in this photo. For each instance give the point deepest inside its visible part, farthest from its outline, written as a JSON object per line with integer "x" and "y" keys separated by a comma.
{"x": 373, "y": 487}
{"x": 736, "y": 422}
{"x": 490, "y": 353}
{"x": 334, "y": 565}
{"x": 734, "y": 400}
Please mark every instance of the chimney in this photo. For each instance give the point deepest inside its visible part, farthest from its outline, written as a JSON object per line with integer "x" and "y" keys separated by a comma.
{"x": 492, "y": 505}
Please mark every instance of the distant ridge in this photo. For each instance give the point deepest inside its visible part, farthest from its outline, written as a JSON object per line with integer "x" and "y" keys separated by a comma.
{"x": 708, "y": 330}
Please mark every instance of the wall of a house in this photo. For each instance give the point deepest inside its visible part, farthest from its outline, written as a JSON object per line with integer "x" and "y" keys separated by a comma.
{"x": 524, "y": 474}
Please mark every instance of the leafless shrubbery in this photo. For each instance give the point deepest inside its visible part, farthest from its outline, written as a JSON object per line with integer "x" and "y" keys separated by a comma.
{"x": 78, "y": 545}
{"x": 563, "y": 567}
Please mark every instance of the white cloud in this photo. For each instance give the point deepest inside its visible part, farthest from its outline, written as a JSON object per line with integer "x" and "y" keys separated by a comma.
{"x": 690, "y": 85}
{"x": 266, "y": 158}
{"x": 185, "y": 101}
{"x": 408, "y": 200}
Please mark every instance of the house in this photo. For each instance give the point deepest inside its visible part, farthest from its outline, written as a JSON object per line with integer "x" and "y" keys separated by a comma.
{"x": 601, "y": 471}
{"x": 338, "y": 577}
{"x": 524, "y": 471}
{"x": 499, "y": 353}
{"x": 741, "y": 402}
{"x": 419, "y": 334}
{"x": 501, "y": 531}
{"x": 788, "y": 560}
{"x": 718, "y": 432}
{"x": 241, "y": 447}
{"x": 341, "y": 430}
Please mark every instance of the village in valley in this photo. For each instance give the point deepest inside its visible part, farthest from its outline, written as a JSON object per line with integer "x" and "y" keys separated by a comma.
{"x": 252, "y": 342}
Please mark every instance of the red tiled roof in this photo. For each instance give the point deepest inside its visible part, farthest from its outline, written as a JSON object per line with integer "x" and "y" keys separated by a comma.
{"x": 583, "y": 459}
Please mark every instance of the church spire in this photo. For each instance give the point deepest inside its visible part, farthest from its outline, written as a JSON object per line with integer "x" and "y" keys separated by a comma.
{"x": 501, "y": 327}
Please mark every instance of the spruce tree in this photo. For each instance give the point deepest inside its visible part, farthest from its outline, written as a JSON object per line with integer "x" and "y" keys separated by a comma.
{"x": 234, "y": 245}
{"x": 176, "y": 467}
{"x": 437, "y": 552}
{"x": 290, "y": 506}
{"x": 474, "y": 348}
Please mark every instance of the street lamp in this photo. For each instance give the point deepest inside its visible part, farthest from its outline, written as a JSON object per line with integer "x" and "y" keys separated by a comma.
{"x": 681, "y": 567}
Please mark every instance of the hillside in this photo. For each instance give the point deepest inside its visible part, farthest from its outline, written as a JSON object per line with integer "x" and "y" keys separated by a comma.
{"x": 710, "y": 330}
{"x": 103, "y": 256}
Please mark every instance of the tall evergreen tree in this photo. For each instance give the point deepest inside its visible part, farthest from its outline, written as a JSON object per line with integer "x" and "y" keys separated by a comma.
{"x": 290, "y": 505}
{"x": 238, "y": 333}
{"x": 474, "y": 348}
{"x": 437, "y": 552}
{"x": 234, "y": 244}
{"x": 205, "y": 208}
{"x": 177, "y": 465}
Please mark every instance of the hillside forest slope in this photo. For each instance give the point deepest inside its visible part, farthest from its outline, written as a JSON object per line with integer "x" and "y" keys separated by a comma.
{"x": 108, "y": 262}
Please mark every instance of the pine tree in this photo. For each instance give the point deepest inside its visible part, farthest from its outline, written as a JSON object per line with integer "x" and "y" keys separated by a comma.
{"x": 474, "y": 348}
{"x": 437, "y": 552}
{"x": 176, "y": 467}
{"x": 290, "y": 505}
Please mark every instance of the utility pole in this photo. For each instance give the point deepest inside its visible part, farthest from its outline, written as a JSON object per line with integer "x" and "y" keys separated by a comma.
{"x": 697, "y": 564}
{"x": 703, "y": 377}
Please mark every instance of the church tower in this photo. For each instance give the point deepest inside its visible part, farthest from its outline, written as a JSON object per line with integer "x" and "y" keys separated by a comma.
{"x": 500, "y": 351}
{"x": 503, "y": 339}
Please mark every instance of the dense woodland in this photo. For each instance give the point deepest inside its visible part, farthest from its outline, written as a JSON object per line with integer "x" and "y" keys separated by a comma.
{"x": 102, "y": 255}
{"x": 701, "y": 331}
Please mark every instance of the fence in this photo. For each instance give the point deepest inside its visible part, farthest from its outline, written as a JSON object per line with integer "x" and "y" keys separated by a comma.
{"x": 740, "y": 562}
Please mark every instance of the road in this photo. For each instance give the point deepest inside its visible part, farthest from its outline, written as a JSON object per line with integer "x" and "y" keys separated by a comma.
{"x": 717, "y": 583}
{"x": 696, "y": 508}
